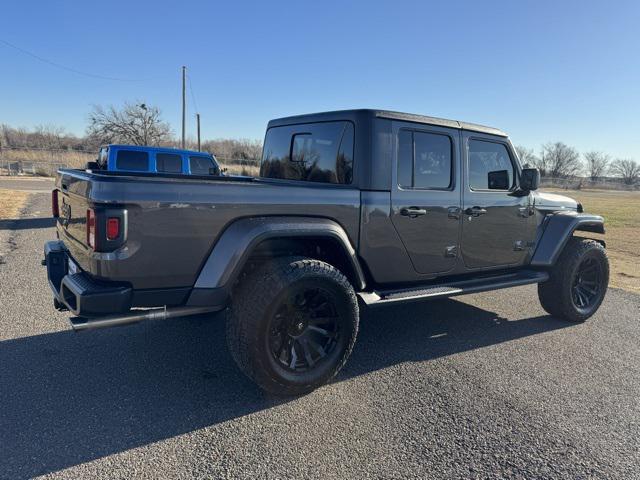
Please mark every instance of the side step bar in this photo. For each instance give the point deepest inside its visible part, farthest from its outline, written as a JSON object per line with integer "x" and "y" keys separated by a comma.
{"x": 82, "y": 323}
{"x": 450, "y": 289}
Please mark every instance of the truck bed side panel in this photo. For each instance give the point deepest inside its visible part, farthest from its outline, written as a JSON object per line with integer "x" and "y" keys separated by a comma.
{"x": 173, "y": 223}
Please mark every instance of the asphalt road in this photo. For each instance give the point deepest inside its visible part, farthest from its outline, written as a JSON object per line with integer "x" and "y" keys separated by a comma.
{"x": 27, "y": 184}
{"x": 485, "y": 386}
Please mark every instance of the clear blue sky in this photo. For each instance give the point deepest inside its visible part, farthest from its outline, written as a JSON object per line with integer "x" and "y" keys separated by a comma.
{"x": 541, "y": 70}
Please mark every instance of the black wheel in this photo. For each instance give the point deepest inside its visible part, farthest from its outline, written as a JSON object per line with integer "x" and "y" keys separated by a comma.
{"x": 292, "y": 324}
{"x": 578, "y": 281}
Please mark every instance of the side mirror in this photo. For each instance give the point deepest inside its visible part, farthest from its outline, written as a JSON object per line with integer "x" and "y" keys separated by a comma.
{"x": 498, "y": 180}
{"x": 529, "y": 179}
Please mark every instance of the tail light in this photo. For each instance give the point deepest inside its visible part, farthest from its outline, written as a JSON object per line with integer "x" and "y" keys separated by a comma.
{"x": 91, "y": 228}
{"x": 113, "y": 228}
{"x": 55, "y": 208}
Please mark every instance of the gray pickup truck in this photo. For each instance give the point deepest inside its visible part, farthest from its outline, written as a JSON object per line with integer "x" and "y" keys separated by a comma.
{"x": 352, "y": 209}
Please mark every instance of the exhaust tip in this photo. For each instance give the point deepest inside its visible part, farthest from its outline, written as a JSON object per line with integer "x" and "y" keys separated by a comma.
{"x": 78, "y": 323}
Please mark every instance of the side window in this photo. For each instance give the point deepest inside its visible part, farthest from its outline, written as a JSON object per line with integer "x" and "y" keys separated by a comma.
{"x": 132, "y": 160}
{"x": 490, "y": 166}
{"x": 314, "y": 152}
{"x": 200, "y": 165}
{"x": 432, "y": 161}
{"x": 405, "y": 158}
{"x": 168, "y": 163}
{"x": 424, "y": 160}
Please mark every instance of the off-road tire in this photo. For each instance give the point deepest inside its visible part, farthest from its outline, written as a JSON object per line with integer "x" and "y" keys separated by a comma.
{"x": 249, "y": 322}
{"x": 556, "y": 294}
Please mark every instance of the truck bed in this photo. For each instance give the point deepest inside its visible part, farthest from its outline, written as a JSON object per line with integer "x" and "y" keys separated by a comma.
{"x": 173, "y": 221}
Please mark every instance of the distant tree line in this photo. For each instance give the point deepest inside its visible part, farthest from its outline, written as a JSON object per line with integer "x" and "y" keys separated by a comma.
{"x": 43, "y": 137}
{"x": 558, "y": 160}
{"x": 134, "y": 123}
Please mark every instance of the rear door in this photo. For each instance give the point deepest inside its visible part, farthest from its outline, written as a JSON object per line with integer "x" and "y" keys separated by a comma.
{"x": 498, "y": 225}
{"x": 425, "y": 196}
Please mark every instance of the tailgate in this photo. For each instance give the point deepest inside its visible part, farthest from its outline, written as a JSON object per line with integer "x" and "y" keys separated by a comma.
{"x": 72, "y": 206}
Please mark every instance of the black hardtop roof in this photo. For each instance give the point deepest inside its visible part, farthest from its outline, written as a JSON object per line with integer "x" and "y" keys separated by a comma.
{"x": 408, "y": 117}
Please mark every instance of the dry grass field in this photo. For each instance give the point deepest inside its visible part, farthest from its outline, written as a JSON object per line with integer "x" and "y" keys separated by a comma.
{"x": 248, "y": 170}
{"x": 621, "y": 211}
{"x": 70, "y": 158}
{"x": 11, "y": 202}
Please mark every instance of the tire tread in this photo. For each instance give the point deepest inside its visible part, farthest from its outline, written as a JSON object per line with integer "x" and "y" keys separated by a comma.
{"x": 554, "y": 295}
{"x": 250, "y": 300}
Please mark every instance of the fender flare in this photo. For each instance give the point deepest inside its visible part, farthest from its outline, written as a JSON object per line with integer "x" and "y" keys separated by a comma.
{"x": 557, "y": 232}
{"x": 238, "y": 240}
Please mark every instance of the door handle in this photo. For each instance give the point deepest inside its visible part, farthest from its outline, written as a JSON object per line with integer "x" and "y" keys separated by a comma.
{"x": 413, "y": 212}
{"x": 453, "y": 213}
{"x": 475, "y": 211}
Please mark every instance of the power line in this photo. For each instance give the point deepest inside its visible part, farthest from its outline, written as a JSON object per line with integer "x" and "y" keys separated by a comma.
{"x": 193, "y": 97}
{"x": 70, "y": 69}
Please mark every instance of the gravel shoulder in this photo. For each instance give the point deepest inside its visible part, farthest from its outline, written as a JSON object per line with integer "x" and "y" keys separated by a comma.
{"x": 484, "y": 386}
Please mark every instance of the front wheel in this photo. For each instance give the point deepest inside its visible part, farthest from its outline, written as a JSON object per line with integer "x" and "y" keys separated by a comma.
{"x": 292, "y": 324}
{"x": 578, "y": 281}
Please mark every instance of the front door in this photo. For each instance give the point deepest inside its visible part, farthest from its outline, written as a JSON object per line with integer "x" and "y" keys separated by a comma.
{"x": 497, "y": 227}
{"x": 425, "y": 197}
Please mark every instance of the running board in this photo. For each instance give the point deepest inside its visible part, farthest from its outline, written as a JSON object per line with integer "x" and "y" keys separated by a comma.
{"x": 450, "y": 289}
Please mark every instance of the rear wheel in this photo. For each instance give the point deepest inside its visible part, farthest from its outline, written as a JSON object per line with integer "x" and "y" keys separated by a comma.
{"x": 292, "y": 324}
{"x": 578, "y": 281}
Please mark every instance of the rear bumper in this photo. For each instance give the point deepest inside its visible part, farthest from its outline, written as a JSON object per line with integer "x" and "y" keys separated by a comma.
{"x": 78, "y": 292}
{"x": 85, "y": 296}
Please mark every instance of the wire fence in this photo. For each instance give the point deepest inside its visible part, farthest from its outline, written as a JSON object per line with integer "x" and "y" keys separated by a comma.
{"x": 40, "y": 161}
{"x": 580, "y": 183}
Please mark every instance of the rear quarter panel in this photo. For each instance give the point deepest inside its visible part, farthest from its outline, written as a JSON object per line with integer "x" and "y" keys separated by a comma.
{"x": 173, "y": 223}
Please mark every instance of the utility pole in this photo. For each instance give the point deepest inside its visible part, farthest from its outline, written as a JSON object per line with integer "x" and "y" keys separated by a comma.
{"x": 198, "y": 124}
{"x": 184, "y": 101}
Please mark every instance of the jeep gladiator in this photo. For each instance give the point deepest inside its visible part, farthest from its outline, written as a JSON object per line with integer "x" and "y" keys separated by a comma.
{"x": 351, "y": 209}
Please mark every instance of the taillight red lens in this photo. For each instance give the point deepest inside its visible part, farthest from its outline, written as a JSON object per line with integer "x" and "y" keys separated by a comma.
{"x": 91, "y": 228}
{"x": 113, "y": 228}
{"x": 55, "y": 209}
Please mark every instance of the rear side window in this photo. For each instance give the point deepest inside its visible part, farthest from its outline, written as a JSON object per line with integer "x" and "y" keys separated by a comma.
{"x": 132, "y": 160}
{"x": 424, "y": 160}
{"x": 200, "y": 165}
{"x": 168, "y": 163}
{"x": 314, "y": 152}
{"x": 490, "y": 166}
{"x": 103, "y": 155}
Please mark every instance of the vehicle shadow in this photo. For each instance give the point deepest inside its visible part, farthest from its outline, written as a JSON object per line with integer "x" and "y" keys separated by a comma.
{"x": 67, "y": 398}
{"x": 27, "y": 223}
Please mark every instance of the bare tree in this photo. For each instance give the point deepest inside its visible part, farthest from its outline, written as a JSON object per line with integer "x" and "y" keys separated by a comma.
{"x": 48, "y": 137}
{"x": 627, "y": 169}
{"x": 596, "y": 164}
{"x": 527, "y": 157}
{"x": 560, "y": 160}
{"x": 15, "y": 137}
{"x": 138, "y": 124}
{"x": 232, "y": 149}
